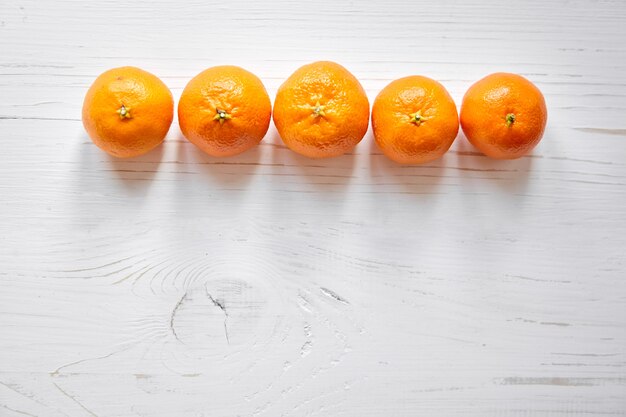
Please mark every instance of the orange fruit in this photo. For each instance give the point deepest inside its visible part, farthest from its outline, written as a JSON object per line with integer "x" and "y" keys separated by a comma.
{"x": 504, "y": 115}
{"x": 224, "y": 110}
{"x": 414, "y": 120}
{"x": 127, "y": 111}
{"x": 321, "y": 110}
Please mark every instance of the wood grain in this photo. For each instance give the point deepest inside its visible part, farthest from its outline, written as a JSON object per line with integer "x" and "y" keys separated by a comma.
{"x": 269, "y": 284}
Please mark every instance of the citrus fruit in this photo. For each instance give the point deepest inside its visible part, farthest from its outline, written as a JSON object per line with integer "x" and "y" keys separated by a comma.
{"x": 504, "y": 115}
{"x": 321, "y": 110}
{"x": 127, "y": 111}
{"x": 414, "y": 120}
{"x": 224, "y": 110}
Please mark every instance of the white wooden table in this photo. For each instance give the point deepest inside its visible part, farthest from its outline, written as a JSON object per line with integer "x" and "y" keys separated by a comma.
{"x": 272, "y": 285}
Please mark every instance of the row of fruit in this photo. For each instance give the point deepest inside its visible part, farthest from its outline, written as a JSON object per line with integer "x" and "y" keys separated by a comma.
{"x": 320, "y": 111}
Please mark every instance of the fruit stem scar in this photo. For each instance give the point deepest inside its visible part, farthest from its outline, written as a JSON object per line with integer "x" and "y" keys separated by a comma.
{"x": 510, "y": 119}
{"x": 318, "y": 109}
{"x": 222, "y": 116}
{"x": 124, "y": 112}
{"x": 417, "y": 118}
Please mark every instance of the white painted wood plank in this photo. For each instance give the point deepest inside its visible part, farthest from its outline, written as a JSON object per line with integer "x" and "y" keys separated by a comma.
{"x": 269, "y": 284}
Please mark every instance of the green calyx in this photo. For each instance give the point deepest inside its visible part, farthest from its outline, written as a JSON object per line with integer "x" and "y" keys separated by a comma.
{"x": 417, "y": 118}
{"x": 510, "y": 119}
{"x": 318, "y": 109}
{"x": 124, "y": 112}
{"x": 222, "y": 116}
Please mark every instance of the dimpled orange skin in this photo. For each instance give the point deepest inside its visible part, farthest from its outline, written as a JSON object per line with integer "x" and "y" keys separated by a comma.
{"x": 414, "y": 120}
{"x": 321, "y": 110}
{"x": 504, "y": 115}
{"x": 127, "y": 111}
{"x": 224, "y": 111}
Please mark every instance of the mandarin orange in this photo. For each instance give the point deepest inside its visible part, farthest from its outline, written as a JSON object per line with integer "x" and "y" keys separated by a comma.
{"x": 224, "y": 111}
{"x": 504, "y": 115}
{"x": 321, "y": 110}
{"x": 414, "y": 120}
{"x": 127, "y": 111}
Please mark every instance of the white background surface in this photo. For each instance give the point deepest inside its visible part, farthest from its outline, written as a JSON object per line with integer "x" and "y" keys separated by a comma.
{"x": 269, "y": 284}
